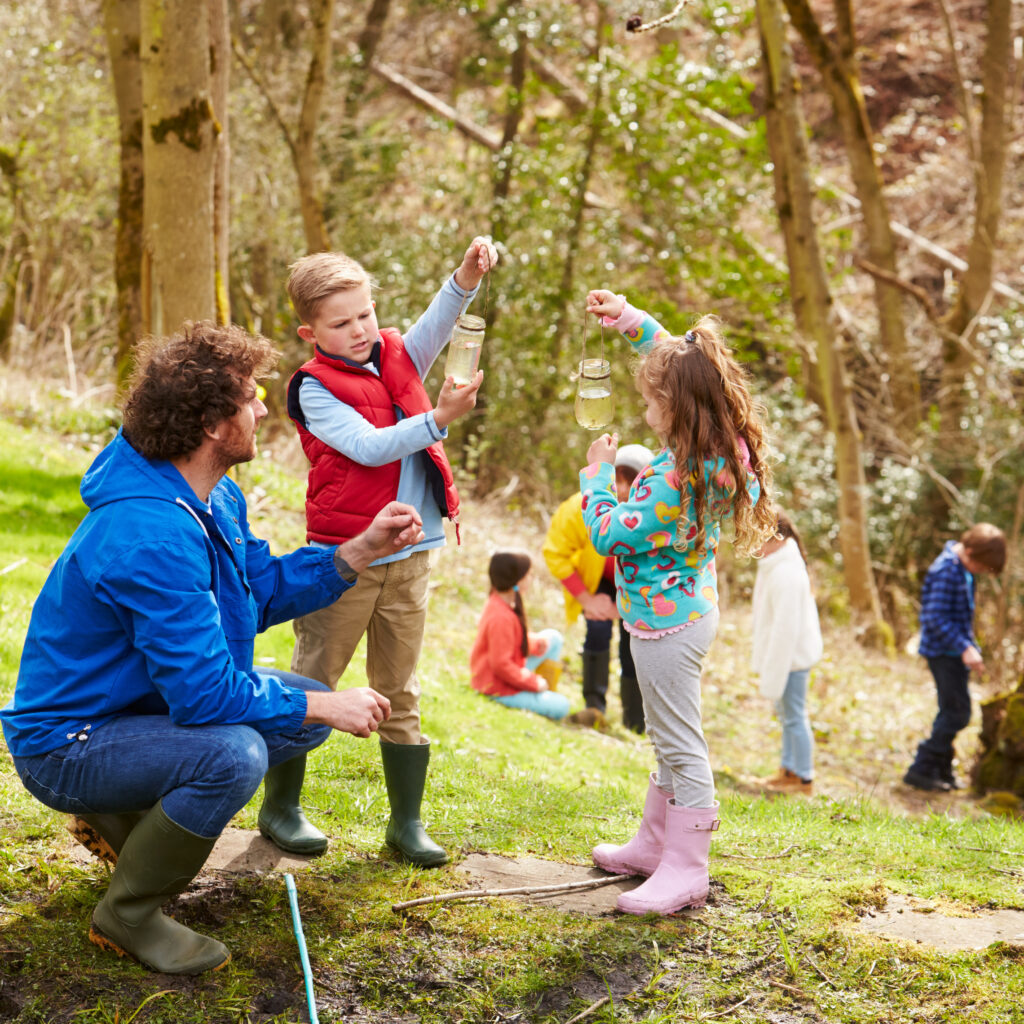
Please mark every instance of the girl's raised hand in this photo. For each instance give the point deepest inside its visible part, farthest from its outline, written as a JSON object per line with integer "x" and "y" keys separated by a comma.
{"x": 603, "y": 449}
{"x": 602, "y": 302}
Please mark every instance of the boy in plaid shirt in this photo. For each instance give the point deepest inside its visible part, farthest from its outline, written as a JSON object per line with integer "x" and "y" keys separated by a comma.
{"x": 948, "y": 644}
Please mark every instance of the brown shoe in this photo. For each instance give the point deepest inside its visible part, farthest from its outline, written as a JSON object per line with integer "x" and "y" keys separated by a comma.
{"x": 786, "y": 782}
{"x": 91, "y": 839}
{"x": 590, "y": 717}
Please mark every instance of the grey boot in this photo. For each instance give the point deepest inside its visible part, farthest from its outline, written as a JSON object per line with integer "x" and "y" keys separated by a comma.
{"x": 405, "y": 775}
{"x": 282, "y": 819}
{"x": 595, "y": 679}
{"x": 158, "y": 860}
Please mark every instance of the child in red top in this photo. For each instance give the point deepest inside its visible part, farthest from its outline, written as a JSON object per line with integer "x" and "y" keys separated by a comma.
{"x": 506, "y": 654}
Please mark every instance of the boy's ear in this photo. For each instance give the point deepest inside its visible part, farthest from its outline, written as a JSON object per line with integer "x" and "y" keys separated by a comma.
{"x": 305, "y": 332}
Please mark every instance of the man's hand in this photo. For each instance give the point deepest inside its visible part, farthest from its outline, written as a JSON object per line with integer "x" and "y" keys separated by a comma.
{"x": 454, "y": 402}
{"x": 973, "y": 660}
{"x": 480, "y": 257}
{"x": 357, "y": 711}
{"x": 598, "y": 607}
{"x": 603, "y": 449}
{"x": 602, "y": 302}
{"x": 394, "y": 527}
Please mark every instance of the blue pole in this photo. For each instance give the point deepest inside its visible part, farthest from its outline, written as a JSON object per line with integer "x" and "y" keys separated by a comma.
{"x": 293, "y": 900}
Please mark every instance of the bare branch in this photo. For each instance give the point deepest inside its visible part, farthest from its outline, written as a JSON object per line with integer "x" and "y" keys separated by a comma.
{"x": 525, "y": 890}
{"x": 261, "y": 85}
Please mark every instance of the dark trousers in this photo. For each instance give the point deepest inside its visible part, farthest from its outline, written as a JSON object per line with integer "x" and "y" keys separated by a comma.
{"x": 599, "y": 635}
{"x": 935, "y": 754}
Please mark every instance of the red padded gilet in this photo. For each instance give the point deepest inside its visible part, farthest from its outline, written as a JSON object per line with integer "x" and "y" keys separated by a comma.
{"x": 343, "y": 496}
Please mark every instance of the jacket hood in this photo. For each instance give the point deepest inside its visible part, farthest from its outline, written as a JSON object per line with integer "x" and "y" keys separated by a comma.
{"x": 119, "y": 473}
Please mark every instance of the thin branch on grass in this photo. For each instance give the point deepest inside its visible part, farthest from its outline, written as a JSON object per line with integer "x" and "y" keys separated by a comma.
{"x": 17, "y": 564}
{"x": 590, "y": 1009}
{"x": 767, "y": 856}
{"x": 524, "y": 890}
{"x": 989, "y": 849}
{"x": 808, "y": 959}
{"x": 728, "y": 1009}
{"x": 764, "y": 899}
{"x": 787, "y": 988}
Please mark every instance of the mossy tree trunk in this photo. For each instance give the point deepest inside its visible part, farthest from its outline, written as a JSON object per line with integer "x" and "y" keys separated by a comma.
{"x": 959, "y": 353}
{"x": 220, "y": 77}
{"x": 1000, "y": 765}
{"x": 179, "y": 143}
{"x": 121, "y": 24}
{"x": 813, "y": 306}
{"x": 835, "y": 59}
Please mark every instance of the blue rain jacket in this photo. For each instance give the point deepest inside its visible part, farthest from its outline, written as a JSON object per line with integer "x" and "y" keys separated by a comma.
{"x": 153, "y": 608}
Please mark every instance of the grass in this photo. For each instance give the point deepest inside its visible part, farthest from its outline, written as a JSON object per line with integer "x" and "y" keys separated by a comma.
{"x": 791, "y": 878}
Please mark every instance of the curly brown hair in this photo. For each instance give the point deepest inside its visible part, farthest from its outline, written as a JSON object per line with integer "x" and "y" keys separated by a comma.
{"x": 189, "y": 382}
{"x": 706, "y": 392}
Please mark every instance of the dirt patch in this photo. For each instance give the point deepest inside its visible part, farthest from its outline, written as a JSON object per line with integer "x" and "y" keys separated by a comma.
{"x": 238, "y": 851}
{"x": 922, "y": 922}
{"x": 491, "y": 871}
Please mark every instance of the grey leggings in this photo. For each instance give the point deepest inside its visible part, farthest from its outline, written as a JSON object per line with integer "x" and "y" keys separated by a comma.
{"x": 668, "y": 670}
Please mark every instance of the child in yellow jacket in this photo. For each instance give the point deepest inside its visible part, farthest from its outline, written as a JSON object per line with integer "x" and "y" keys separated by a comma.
{"x": 588, "y": 586}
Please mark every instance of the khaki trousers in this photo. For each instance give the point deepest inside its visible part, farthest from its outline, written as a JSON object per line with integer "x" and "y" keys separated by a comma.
{"x": 389, "y": 604}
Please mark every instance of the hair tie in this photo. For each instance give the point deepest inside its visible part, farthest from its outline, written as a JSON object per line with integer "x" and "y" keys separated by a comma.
{"x": 690, "y": 337}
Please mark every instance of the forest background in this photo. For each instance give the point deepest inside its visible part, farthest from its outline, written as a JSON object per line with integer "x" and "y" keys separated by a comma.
{"x": 840, "y": 182}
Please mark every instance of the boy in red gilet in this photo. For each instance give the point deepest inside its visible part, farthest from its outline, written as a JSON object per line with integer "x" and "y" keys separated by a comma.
{"x": 371, "y": 434}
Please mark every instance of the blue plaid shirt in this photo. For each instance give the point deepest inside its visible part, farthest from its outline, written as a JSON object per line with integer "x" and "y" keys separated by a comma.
{"x": 947, "y": 607}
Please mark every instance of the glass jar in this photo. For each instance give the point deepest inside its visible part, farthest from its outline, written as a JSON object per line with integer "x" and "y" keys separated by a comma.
{"x": 464, "y": 346}
{"x": 595, "y": 404}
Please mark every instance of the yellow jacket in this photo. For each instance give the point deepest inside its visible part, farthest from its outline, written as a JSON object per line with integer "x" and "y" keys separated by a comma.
{"x": 567, "y": 550}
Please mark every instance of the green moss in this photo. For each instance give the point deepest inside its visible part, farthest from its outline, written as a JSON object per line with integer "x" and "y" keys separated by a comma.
{"x": 187, "y": 124}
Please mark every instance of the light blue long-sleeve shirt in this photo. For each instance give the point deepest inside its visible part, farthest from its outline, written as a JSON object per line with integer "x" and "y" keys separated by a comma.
{"x": 350, "y": 433}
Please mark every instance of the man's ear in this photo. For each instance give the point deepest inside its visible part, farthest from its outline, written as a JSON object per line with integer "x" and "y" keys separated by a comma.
{"x": 306, "y": 333}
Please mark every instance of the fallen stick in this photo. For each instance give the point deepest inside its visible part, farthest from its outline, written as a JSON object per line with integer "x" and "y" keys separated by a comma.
{"x": 589, "y": 1010}
{"x": 526, "y": 890}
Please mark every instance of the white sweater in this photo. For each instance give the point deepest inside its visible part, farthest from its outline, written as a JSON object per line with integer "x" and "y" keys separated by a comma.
{"x": 787, "y": 636}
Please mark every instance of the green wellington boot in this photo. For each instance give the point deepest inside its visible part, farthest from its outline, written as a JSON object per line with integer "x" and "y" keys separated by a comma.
{"x": 158, "y": 860}
{"x": 405, "y": 774}
{"x": 103, "y": 835}
{"x": 281, "y": 818}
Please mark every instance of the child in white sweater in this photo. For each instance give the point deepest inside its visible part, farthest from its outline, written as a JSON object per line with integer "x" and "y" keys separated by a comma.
{"x": 787, "y": 642}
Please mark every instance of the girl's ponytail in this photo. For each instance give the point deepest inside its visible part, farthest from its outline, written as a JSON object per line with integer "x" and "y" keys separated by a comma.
{"x": 507, "y": 568}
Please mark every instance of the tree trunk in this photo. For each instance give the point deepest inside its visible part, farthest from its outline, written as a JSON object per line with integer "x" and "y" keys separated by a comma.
{"x": 121, "y": 23}
{"x": 813, "y": 307}
{"x": 838, "y": 69}
{"x": 976, "y": 282}
{"x": 366, "y": 46}
{"x": 306, "y": 163}
{"x": 220, "y": 74}
{"x": 179, "y": 152}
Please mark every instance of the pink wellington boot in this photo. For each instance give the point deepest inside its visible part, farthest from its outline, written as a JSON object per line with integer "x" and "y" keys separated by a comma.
{"x": 681, "y": 879}
{"x": 642, "y": 854}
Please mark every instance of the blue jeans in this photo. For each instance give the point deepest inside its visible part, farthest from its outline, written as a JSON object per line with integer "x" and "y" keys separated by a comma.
{"x": 797, "y": 738}
{"x": 204, "y": 774}
{"x": 935, "y": 754}
{"x": 546, "y": 703}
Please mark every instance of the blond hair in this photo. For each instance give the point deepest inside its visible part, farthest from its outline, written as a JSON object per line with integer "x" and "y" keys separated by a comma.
{"x": 706, "y": 393}
{"x": 318, "y": 276}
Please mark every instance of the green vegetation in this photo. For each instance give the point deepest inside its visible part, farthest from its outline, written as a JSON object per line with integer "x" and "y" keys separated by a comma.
{"x": 777, "y": 942}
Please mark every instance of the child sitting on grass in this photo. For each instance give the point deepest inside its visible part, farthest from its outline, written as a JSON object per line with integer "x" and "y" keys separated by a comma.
{"x": 509, "y": 663}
